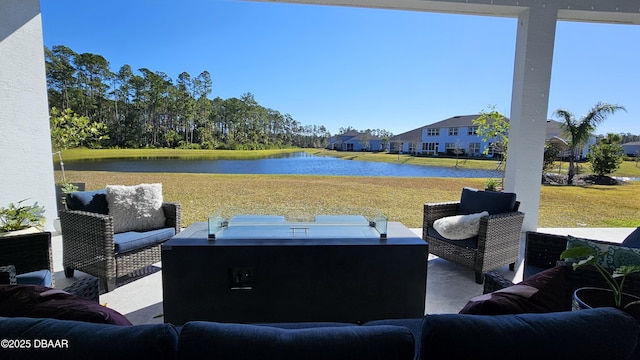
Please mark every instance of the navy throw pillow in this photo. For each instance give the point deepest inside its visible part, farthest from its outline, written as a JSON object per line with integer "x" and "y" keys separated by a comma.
{"x": 243, "y": 341}
{"x": 91, "y": 201}
{"x": 633, "y": 240}
{"x": 475, "y": 201}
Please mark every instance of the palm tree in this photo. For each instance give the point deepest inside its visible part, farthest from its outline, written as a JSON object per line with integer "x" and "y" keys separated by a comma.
{"x": 580, "y": 130}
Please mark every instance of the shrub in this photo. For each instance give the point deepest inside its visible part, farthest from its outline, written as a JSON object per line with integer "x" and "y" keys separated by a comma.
{"x": 605, "y": 158}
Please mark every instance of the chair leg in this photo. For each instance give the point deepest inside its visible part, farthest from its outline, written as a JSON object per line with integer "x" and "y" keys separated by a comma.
{"x": 111, "y": 284}
{"x": 512, "y": 266}
{"x": 479, "y": 277}
{"x": 68, "y": 272}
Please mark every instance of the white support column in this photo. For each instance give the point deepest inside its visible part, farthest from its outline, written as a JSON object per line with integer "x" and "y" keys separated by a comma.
{"x": 26, "y": 160}
{"x": 529, "y": 108}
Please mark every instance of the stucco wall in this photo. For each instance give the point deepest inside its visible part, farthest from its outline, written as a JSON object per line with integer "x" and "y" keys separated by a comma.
{"x": 26, "y": 166}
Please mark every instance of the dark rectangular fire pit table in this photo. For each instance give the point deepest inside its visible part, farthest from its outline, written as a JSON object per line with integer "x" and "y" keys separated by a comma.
{"x": 293, "y": 280}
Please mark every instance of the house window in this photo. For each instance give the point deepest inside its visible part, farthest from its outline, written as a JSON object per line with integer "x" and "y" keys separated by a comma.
{"x": 412, "y": 148}
{"x": 453, "y": 131}
{"x": 430, "y": 148}
{"x": 349, "y": 147}
{"x": 433, "y": 132}
{"x": 450, "y": 146}
{"x": 472, "y": 130}
{"x": 474, "y": 148}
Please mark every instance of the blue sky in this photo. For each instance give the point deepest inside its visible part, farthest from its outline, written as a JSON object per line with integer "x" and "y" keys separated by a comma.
{"x": 339, "y": 66}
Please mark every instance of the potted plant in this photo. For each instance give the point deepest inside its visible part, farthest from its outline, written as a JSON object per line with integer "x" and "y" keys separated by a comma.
{"x": 590, "y": 256}
{"x": 19, "y": 218}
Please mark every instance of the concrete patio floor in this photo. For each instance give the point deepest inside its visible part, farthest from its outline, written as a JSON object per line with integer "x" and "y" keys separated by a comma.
{"x": 449, "y": 286}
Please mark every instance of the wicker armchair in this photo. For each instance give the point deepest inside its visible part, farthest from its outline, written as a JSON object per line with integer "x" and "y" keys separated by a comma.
{"x": 32, "y": 252}
{"x": 88, "y": 246}
{"x": 27, "y": 253}
{"x": 498, "y": 241}
{"x": 542, "y": 251}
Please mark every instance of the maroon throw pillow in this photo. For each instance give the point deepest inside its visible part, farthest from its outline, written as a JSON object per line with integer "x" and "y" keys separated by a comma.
{"x": 43, "y": 302}
{"x": 541, "y": 293}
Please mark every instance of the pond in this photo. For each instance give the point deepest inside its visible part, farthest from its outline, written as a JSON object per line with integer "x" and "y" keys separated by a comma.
{"x": 292, "y": 164}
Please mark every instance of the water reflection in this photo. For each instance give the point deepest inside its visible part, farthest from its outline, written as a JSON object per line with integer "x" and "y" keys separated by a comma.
{"x": 293, "y": 164}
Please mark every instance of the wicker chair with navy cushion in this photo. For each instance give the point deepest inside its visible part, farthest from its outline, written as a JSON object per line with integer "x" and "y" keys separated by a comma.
{"x": 27, "y": 260}
{"x": 498, "y": 240}
{"x": 93, "y": 244}
{"x": 31, "y": 257}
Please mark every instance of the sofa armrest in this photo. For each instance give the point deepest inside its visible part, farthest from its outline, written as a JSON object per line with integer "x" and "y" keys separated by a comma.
{"x": 543, "y": 250}
{"x": 87, "y": 287}
{"x": 86, "y": 235}
{"x": 503, "y": 230}
{"x": 172, "y": 213}
{"x": 494, "y": 281}
{"x": 435, "y": 211}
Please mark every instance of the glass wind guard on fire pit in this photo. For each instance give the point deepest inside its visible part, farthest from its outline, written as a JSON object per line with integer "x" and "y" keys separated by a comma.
{"x": 297, "y": 223}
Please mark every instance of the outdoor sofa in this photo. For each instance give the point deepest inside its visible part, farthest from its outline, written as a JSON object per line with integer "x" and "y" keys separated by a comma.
{"x": 604, "y": 333}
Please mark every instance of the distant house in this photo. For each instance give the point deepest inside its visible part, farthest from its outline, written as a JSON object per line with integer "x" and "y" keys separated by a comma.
{"x": 407, "y": 142}
{"x": 355, "y": 141}
{"x": 631, "y": 148}
{"x": 457, "y": 136}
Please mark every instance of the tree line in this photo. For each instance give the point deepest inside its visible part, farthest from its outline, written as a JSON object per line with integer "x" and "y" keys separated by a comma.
{"x": 147, "y": 108}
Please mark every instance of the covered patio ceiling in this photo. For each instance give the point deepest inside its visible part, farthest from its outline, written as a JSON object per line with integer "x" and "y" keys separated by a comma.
{"x": 605, "y": 11}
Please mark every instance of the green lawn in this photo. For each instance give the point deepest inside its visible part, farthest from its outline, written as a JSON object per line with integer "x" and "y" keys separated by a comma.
{"x": 400, "y": 198}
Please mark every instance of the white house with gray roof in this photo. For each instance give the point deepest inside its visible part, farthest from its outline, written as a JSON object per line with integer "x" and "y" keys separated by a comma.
{"x": 355, "y": 141}
{"x": 457, "y": 135}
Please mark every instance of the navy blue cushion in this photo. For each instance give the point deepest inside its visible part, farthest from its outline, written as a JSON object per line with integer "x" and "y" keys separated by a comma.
{"x": 240, "y": 341}
{"x": 39, "y": 277}
{"x": 474, "y": 201}
{"x": 414, "y": 325}
{"x": 470, "y": 243}
{"x": 633, "y": 240}
{"x": 603, "y": 333}
{"x": 91, "y": 201}
{"x": 87, "y": 340}
{"x": 133, "y": 240}
{"x": 305, "y": 325}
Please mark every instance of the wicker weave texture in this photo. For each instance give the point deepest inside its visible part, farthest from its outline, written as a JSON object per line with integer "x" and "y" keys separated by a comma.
{"x": 498, "y": 239}
{"x": 543, "y": 250}
{"x": 87, "y": 287}
{"x": 88, "y": 246}
{"x": 494, "y": 281}
{"x": 28, "y": 252}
